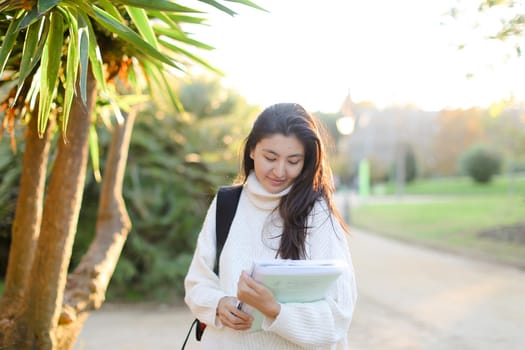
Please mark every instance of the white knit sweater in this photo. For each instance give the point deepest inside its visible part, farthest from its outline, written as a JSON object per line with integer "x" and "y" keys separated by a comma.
{"x": 254, "y": 234}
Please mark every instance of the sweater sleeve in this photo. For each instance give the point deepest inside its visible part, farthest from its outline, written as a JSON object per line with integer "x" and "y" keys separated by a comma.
{"x": 202, "y": 288}
{"x": 326, "y": 321}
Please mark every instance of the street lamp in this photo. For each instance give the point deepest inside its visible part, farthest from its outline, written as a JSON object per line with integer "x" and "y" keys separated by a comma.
{"x": 346, "y": 126}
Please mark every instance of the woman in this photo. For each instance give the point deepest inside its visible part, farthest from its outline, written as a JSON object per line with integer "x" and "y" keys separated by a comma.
{"x": 285, "y": 211}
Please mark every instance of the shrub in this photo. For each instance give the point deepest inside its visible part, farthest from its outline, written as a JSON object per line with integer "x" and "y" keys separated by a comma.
{"x": 481, "y": 163}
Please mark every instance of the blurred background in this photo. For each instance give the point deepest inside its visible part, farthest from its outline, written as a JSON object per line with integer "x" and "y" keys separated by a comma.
{"x": 423, "y": 103}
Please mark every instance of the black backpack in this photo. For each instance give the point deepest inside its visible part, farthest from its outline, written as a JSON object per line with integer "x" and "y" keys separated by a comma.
{"x": 227, "y": 201}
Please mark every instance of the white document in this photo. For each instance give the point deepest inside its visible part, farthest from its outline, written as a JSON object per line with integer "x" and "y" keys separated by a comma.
{"x": 297, "y": 281}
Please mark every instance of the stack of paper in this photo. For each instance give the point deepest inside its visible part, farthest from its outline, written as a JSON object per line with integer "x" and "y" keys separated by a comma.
{"x": 298, "y": 281}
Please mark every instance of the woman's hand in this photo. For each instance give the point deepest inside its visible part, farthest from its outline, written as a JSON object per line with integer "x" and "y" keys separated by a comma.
{"x": 232, "y": 317}
{"x": 257, "y": 295}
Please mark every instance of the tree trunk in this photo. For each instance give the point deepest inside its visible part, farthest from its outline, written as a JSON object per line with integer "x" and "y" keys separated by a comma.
{"x": 87, "y": 285}
{"x": 26, "y": 225}
{"x": 44, "y": 294}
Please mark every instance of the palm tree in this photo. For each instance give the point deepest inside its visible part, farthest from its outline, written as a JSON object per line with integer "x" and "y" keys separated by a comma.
{"x": 57, "y": 59}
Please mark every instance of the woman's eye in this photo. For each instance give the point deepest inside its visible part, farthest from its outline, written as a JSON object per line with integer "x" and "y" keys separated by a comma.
{"x": 294, "y": 162}
{"x": 269, "y": 159}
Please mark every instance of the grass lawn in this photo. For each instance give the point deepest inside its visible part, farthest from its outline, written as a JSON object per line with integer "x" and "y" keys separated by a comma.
{"x": 461, "y": 186}
{"x": 453, "y": 222}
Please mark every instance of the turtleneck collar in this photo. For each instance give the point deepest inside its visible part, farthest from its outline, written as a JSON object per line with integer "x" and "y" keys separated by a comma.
{"x": 261, "y": 198}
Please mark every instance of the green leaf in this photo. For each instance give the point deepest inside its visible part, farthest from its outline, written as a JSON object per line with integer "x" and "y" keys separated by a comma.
{"x": 50, "y": 66}
{"x": 8, "y": 43}
{"x": 132, "y": 78}
{"x": 108, "y": 22}
{"x": 94, "y": 55}
{"x": 73, "y": 59}
{"x": 160, "y": 5}
{"x": 30, "y": 46}
{"x": 32, "y": 52}
{"x": 30, "y": 17}
{"x": 32, "y": 93}
{"x": 173, "y": 20}
{"x": 6, "y": 6}
{"x": 110, "y": 8}
{"x": 248, "y": 3}
{"x": 174, "y": 100}
{"x": 83, "y": 33}
{"x": 94, "y": 152}
{"x": 182, "y": 37}
{"x": 46, "y": 5}
{"x": 42, "y": 37}
{"x": 155, "y": 75}
{"x": 116, "y": 109}
{"x": 191, "y": 56}
{"x": 219, "y": 6}
{"x": 141, "y": 21}
{"x": 30, "y": 56}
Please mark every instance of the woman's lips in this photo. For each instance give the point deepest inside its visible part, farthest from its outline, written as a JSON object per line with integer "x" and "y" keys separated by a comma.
{"x": 276, "y": 182}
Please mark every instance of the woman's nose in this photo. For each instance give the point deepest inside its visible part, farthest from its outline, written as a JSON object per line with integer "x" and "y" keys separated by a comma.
{"x": 279, "y": 169}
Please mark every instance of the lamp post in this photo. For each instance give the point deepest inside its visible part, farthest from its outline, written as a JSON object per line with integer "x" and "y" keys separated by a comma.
{"x": 345, "y": 126}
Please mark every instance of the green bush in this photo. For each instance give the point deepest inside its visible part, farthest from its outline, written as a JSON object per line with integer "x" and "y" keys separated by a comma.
{"x": 175, "y": 166}
{"x": 166, "y": 197}
{"x": 481, "y": 163}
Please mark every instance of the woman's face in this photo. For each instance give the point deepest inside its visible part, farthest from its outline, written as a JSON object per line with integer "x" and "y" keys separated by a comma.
{"x": 278, "y": 160}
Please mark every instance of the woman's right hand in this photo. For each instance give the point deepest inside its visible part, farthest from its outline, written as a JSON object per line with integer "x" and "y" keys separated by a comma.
{"x": 232, "y": 317}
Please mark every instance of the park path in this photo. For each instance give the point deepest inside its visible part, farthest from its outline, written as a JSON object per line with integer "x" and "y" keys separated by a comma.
{"x": 409, "y": 298}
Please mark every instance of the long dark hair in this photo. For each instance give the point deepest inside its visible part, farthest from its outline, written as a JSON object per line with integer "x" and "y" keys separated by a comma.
{"x": 313, "y": 183}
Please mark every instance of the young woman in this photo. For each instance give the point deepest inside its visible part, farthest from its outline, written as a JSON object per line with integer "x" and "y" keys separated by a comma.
{"x": 285, "y": 211}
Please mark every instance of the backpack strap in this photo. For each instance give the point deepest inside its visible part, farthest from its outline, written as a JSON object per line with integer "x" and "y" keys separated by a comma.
{"x": 227, "y": 201}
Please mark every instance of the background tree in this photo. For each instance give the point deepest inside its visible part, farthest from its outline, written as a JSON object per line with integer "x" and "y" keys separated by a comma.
{"x": 54, "y": 54}
{"x": 456, "y": 131}
{"x": 502, "y": 20}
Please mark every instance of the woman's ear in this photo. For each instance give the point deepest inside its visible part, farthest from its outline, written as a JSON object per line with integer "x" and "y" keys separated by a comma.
{"x": 252, "y": 151}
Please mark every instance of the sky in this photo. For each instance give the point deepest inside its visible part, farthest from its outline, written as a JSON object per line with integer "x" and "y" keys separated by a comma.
{"x": 383, "y": 51}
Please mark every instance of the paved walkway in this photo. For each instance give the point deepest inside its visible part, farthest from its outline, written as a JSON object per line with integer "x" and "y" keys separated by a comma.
{"x": 409, "y": 298}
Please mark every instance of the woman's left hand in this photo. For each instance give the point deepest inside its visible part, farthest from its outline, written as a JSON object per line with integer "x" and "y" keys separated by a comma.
{"x": 257, "y": 295}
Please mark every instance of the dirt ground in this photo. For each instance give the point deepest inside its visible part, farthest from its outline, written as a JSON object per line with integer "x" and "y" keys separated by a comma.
{"x": 409, "y": 298}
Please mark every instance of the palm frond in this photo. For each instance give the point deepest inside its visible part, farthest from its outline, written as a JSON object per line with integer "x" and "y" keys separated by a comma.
{"x": 83, "y": 42}
{"x": 191, "y": 56}
{"x": 179, "y": 35}
{"x": 73, "y": 61}
{"x": 51, "y": 63}
{"x": 141, "y": 20}
{"x": 8, "y": 43}
{"x": 30, "y": 17}
{"x": 110, "y": 8}
{"x": 125, "y": 33}
{"x": 94, "y": 152}
{"x": 219, "y": 6}
{"x": 249, "y": 3}
{"x": 55, "y": 42}
{"x": 159, "y": 5}
{"x": 46, "y": 5}
{"x": 173, "y": 20}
